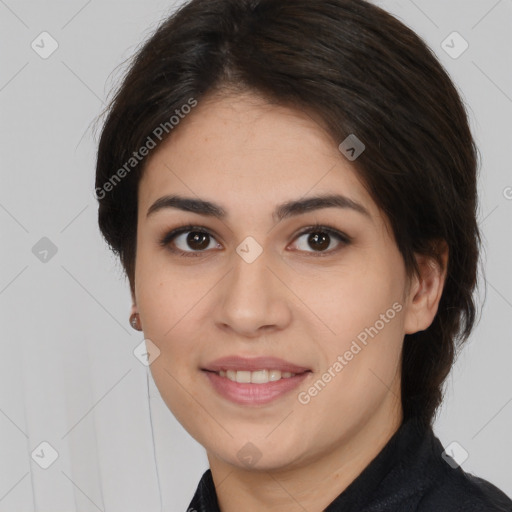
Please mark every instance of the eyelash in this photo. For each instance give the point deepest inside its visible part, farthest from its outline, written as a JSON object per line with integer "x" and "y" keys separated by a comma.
{"x": 314, "y": 228}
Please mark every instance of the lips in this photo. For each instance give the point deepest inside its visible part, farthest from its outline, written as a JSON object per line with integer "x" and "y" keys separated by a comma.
{"x": 254, "y": 364}
{"x": 254, "y": 394}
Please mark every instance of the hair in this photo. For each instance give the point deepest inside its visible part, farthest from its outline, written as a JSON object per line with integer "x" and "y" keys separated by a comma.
{"x": 362, "y": 72}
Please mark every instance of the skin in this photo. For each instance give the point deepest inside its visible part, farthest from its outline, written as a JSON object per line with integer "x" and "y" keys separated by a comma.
{"x": 249, "y": 156}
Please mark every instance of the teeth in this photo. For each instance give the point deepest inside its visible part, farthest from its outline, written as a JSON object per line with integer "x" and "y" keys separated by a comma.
{"x": 257, "y": 377}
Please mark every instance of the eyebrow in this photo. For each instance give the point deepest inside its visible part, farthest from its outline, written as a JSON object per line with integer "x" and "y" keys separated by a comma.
{"x": 282, "y": 211}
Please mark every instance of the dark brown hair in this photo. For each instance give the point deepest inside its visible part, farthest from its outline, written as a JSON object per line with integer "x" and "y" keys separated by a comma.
{"x": 362, "y": 72}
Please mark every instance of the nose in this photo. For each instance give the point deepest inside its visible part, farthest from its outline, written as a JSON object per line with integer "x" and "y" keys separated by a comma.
{"x": 252, "y": 299}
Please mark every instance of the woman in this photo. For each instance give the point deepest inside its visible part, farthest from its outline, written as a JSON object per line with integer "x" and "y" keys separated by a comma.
{"x": 291, "y": 188}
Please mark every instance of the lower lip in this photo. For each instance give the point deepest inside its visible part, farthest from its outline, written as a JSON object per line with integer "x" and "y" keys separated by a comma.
{"x": 253, "y": 394}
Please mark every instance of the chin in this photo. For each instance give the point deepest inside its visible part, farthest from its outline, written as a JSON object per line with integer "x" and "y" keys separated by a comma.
{"x": 258, "y": 455}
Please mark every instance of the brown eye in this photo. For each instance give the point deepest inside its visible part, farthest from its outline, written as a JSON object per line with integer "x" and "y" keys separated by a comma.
{"x": 192, "y": 241}
{"x": 318, "y": 239}
{"x": 195, "y": 241}
{"x": 188, "y": 241}
{"x": 198, "y": 240}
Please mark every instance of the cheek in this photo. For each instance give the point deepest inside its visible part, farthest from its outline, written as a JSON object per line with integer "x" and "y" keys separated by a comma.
{"x": 177, "y": 387}
{"x": 344, "y": 302}
{"x": 166, "y": 307}
{"x": 162, "y": 297}
{"x": 361, "y": 329}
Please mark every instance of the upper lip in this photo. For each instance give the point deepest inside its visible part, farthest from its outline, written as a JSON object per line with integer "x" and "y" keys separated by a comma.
{"x": 253, "y": 364}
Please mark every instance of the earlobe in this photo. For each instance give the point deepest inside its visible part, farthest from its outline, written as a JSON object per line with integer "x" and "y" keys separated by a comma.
{"x": 426, "y": 290}
{"x": 135, "y": 318}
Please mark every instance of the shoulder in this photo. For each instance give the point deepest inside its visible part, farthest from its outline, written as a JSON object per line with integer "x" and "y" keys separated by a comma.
{"x": 458, "y": 491}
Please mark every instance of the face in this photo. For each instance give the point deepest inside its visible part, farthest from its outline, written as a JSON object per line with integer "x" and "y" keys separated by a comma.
{"x": 264, "y": 271}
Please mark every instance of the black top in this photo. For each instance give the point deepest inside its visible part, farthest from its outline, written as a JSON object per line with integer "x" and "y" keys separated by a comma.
{"x": 408, "y": 475}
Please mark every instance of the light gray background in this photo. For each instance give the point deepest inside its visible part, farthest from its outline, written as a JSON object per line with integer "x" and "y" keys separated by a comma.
{"x": 67, "y": 372}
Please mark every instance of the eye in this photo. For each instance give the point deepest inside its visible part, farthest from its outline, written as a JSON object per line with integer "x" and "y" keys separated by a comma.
{"x": 320, "y": 238}
{"x": 188, "y": 237}
{"x": 195, "y": 240}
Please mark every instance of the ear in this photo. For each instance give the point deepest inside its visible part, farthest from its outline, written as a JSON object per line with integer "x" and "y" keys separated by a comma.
{"x": 425, "y": 290}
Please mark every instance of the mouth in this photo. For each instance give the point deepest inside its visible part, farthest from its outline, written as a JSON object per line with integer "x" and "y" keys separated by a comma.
{"x": 254, "y": 381}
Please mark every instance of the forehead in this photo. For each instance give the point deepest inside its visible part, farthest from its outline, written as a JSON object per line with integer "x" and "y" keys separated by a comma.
{"x": 242, "y": 150}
